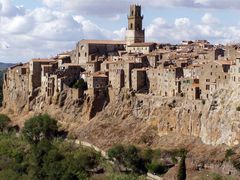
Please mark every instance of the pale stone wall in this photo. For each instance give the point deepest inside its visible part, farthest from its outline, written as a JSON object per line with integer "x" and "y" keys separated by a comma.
{"x": 139, "y": 80}
{"x": 16, "y": 88}
{"x": 213, "y": 76}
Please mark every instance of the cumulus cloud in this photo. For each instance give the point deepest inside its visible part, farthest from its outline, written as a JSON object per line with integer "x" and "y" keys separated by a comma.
{"x": 42, "y": 32}
{"x": 8, "y": 9}
{"x": 208, "y": 18}
{"x": 182, "y": 22}
{"x": 59, "y": 24}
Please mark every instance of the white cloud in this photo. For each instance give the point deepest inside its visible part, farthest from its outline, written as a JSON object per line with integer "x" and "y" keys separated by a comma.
{"x": 58, "y": 25}
{"x": 208, "y": 18}
{"x": 8, "y": 9}
{"x": 43, "y": 31}
{"x": 182, "y": 22}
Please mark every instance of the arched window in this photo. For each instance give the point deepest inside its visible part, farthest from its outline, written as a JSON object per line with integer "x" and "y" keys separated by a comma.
{"x": 132, "y": 13}
{"x": 131, "y": 26}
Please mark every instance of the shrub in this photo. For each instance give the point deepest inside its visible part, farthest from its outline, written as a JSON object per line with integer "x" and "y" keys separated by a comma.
{"x": 117, "y": 152}
{"x": 157, "y": 168}
{"x": 39, "y": 127}
{"x": 229, "y": 153}
{"x": 238, "y": 108}
{"x": 129, "y": 156}
{"x": 80, "y": 84}
{"x": 4, "y": 122}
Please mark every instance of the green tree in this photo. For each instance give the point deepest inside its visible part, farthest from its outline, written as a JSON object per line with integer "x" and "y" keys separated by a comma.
{"x": 117, "y": 152}
{"x": 80, "y": 84}
{"x": 134, "y": 160}
{"x": 4, "y": 122}
{"x": 39, "y": 127}
{"x": 182, "y": 169}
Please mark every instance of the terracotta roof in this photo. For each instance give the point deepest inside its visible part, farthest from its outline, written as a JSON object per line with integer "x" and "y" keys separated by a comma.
{"x": 16, "y": 65}
{"x": 101, "y": 42}
{"x": 224, "y": 62}
{"x": 139, "y": 69}
{"x": 43, "y": 60}
{"x": 98, "y": 74}
{"x": 47, "y": 65}
{"x": 70, "y": 64}
{"x": 147, "y": 44}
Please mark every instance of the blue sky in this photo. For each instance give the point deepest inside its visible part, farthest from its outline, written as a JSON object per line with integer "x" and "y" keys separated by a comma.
{"x": 43, "y": 28}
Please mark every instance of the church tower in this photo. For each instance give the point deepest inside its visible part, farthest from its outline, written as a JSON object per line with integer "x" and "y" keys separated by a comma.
{"x": 135, "y": 33}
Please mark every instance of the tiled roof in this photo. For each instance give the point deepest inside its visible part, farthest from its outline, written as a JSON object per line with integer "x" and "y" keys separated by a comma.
{"x": 147, "y": 44}
{"x": 43, "y": 60}
{"x": 101, "y": 42}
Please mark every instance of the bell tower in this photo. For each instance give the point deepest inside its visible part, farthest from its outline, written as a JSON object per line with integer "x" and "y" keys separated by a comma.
{"x": 135, "y": 33}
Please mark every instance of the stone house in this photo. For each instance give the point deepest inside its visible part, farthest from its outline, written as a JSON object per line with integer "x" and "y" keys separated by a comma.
{"x": 190, "y": 88}
{"x": 164, "y": 81}
{"x": 139, "y": 79}
{"x": 97, "y": 81}
{"x": 144, "y": 48}
{"x": 213, "y": 76}
{"x": 35, "y": 71}
{"x": 16, "y": 85}
{"x": 235, "y": 74}
{"x": 87, "y": 50}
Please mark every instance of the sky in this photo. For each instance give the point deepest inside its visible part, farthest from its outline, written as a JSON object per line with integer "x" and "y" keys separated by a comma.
{"x": 43, "y": 28}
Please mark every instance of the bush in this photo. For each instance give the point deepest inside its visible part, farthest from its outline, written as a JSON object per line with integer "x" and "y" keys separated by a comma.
{"x": 157, "y": 168}
{"x": 229, "y": 153}
{"x": 39, "y": 127}
{"x": 238, "y": 108}
{"x": 4, "y": 122}
{"x": 117, "y": 152}
{"x": 129, "y": 157}
{"x": 80, "y": 84}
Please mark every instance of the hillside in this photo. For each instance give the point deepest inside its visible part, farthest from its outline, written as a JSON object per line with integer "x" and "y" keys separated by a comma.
{"x": 130, "y": 118}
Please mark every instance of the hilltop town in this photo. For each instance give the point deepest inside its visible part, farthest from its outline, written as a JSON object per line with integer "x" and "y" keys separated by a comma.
{"x": 132, "y": 91}
{"x": 193, "y": 69}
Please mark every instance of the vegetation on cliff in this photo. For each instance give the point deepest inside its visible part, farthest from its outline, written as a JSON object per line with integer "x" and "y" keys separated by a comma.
{"x": 39, "y": 152}
{"x": 145, "y": 160}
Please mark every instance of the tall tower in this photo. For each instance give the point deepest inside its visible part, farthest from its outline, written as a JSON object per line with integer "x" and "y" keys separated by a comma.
{"x": 135, "y": 33}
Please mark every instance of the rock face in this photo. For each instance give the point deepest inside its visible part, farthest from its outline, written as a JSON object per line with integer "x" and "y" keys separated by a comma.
{"x": 215, "y": 122}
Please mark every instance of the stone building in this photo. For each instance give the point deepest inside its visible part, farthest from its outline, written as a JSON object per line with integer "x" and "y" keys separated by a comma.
{"x": 16, "y": 86}
{"x": 97, "y": 81}
{"x": 35, "y": 71}
{"x": 213, "y": 76}
{"x": 164, "y": 81}
{"x": 144, "y": 48}
{"x": 235, "y": 75}
{"x": 135, "y": 33}
{"x": 139, "y": 79}
{"x": 88, "y": 50}
{"x": 190, "y": 88}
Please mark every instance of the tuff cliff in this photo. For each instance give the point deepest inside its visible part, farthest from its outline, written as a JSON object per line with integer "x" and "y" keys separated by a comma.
{"x": 215, "y": 122}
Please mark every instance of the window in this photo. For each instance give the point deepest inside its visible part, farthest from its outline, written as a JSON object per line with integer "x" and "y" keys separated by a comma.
{"x": 207, "y": 87}
{"x": 207, "y": 80}
{"x": 211, "y": 73}
{"x": 131, "y": 26}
